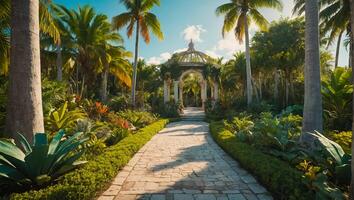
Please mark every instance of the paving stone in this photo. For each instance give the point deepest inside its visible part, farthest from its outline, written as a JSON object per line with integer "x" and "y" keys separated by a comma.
{"x": 183, "y": 197}
{"x": 236, "y": 197}
{"x": 256, "y": 188}
{"x": 158, "y": 197}
{"x": 106, "y": 198}
{"x": 183, "y": 162}
{"x": 264, "y": 197}
{"x": 204, "y": 197}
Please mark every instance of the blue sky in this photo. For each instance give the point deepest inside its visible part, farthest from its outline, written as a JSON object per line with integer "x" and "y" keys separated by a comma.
{"x": 182, "y": 20}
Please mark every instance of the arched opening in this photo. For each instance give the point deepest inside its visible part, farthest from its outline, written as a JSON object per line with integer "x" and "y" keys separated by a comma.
{"x": 191, "y": 88}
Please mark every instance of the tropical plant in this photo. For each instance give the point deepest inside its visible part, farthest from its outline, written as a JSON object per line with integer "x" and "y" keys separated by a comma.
{"x": 239, "y": 15}
{"x": 137, "y": 118}
{"x": 138, "y": 16}
{"x": 40, "y": 163}
{"x": 280, "y": 49}
{"x": 94, "y": 50}
{"x": 63, "y": 118}
{"x": 331, "y": 155}
{"x": 243, "y": 128}
{"x": 337, "y": 93}
{"x": 317, "y": 180}
{"x": 344, "y": 139}
{"x": 117, "y": 135}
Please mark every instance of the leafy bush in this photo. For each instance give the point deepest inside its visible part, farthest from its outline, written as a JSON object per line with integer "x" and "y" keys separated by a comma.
{"x": 3, "y": 104}
{"x": 62, "y": 118}
{"x": 213, "y": 110}
{"x": 119, "y": 121}
{"x": 169, "y": 110}
{"x": 278, "y": 176}
{"x": 117, "y": 135}
{"x": 294, "y": 110}
{"x": 331, "y": 156}
{"x": 85, "y": 182}
{"x": 337, "y": 92}
{"x": 119, "y": 103}
{"x": 344, "y": 139}
{"x": 54, "y": 94}
{"x": 242, "y": 128}
{"x": 138, "y": 118}
{"x": 40, "y": 163}
{"x": 256, "y": 108}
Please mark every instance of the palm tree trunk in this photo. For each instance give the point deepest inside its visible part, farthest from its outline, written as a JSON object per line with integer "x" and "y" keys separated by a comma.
{"x": 248, "y": 65}
{"x": 260, "y": 85}
{"x": 276, "y": 85}
{"x": 59, "y": 63}
{"x": 24, "y": 108}
{"x": 104, "y": 83}
{"x": 351, "y": 55}
{"x": 313, "y": 100}
{"x": 135, "y": 62}
{"x": 338, "y": 48}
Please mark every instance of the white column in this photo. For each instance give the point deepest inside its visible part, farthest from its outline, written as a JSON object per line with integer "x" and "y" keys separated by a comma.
{"x": 216, "y": 91}
{"x": 175, "y": 91}
{"x": 205, "y": 91}
{"x": 181, "y": 93}
{"x": 166, "y": 91}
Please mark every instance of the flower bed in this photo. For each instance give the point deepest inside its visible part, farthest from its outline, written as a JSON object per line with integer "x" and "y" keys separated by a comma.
{"x": 85, "y": 182}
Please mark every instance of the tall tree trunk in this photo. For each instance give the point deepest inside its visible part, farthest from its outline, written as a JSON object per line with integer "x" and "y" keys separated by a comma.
{"x": 276, "y": 86}
{"x": 248, "y": 65}
{"x": 292, "y": 89}
{"x": 104, "y": 83}
{"x": 59, "y": 63}
{"x": 260, "y": 85}
{"x": 338, "y": 48}
{"x": 313, "y": 100}
{"x": 135, "y": 62}
{"x": 255, "y": 87}
{"x": 24, "y": 108}
{"x": 351, "y": 55}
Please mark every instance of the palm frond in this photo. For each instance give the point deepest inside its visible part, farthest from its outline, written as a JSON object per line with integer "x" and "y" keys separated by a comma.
{"x": 258, "y": 19}
{"x": 154, "y": 25}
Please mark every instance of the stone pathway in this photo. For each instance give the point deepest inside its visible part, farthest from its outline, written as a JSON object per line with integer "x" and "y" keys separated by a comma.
{"x": 183, "y": 162}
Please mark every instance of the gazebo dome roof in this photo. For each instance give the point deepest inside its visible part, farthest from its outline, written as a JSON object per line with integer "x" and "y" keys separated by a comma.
{"x": 190, "y": 56}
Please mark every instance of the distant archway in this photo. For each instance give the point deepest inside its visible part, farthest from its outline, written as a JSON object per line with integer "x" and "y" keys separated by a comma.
{"x": 184, "y": 63}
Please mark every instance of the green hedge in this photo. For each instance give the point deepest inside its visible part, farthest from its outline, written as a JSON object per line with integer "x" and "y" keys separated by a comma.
{"x": 281, "y": 179}
{"x": 84, "y": 183}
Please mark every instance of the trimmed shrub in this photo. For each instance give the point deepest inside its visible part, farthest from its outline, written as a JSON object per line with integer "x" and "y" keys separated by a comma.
{"x": 281, "y": 179}
{"x": 87, "y": 181}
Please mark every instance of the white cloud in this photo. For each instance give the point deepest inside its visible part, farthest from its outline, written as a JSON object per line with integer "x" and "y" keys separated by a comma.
{"x": 160, "y": 59}
{"x": 229, "y": 44}
{"x": 212, "y": 53}
{"x": 193, "y": 33}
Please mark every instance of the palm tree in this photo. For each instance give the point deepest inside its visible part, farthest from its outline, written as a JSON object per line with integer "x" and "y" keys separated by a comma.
{"x": 352, "y": 64}
{"x": 334, "y": 18}
{"x": 24, "y": 108}
{"x": 47, "y": 26}
{"x": 239, "y": 14}
{"x": 114, "y": 61}
{"x": 139, "y": 17}
{"x": 313, "y": 99}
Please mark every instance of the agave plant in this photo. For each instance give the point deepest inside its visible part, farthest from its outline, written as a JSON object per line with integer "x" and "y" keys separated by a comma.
{"x": 41, "y": 162}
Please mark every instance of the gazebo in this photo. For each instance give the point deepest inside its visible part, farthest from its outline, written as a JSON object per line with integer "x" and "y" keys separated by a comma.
{"x": 190, "y": 61}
